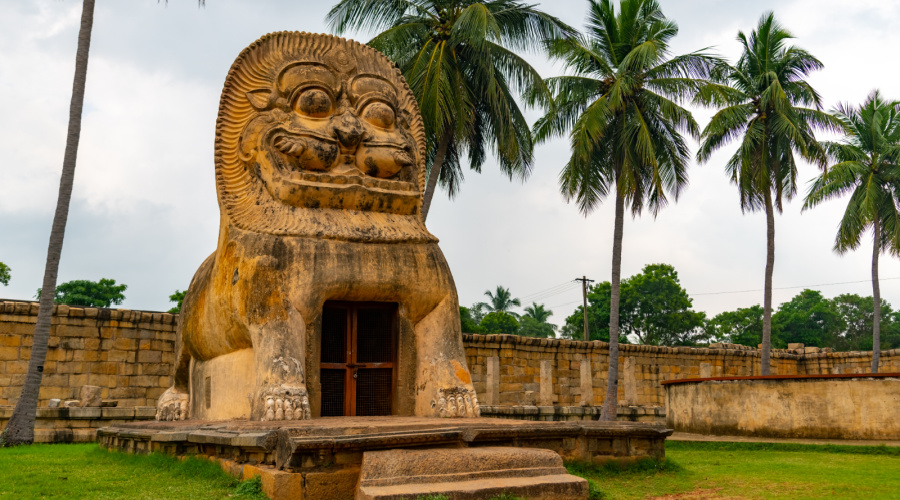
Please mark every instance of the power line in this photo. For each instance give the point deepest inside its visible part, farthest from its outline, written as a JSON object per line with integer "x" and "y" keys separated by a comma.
{"x": 549, "y": 292}
{"x": 548, "y": 295}
{"x": 554, "y": 287}
{"x": 794, "y": 287}
{"x": 566, "y": 304}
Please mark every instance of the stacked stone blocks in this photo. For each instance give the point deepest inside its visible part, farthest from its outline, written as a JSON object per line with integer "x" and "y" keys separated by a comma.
{"x": 127, "y": 353}
{"x": 130, "y": 353}
{"x": 641, "y": 368}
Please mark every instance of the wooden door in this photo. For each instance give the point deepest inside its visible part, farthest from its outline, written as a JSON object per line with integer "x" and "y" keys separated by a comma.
{"x": 357, "y": 364}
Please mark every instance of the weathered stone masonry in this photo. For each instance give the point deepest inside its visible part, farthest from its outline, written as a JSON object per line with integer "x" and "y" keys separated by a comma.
{"x": 512, "y": 370}
{"x": 130, "y": 354}
{"x": 127, "y": 353}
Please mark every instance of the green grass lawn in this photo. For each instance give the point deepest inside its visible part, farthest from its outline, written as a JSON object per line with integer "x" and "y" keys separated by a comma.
{"x": 692, "y": 471}
{"x": 753, "y": 470}
{"x": 87, "y": 471}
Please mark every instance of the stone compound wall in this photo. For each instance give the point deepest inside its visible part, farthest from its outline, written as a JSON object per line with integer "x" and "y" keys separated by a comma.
{"x": 127, "y": 353}
{"x": 130, "y": 353}
{"x": 811, "y": 406}
{"x": 508, "y": 370}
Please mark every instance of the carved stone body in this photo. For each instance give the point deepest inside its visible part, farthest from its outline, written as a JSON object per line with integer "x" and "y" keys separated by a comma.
{"x": 319, "y": 170}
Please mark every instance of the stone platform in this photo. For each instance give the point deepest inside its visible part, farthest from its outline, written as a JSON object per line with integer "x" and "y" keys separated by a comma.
{"x": 321, "y": 458}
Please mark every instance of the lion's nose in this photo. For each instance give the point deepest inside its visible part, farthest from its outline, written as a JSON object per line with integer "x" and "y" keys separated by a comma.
{"x": 349, "y": 130}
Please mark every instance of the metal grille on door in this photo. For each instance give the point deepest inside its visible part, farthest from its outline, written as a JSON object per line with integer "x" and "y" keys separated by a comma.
{"x": 357, "y": 365}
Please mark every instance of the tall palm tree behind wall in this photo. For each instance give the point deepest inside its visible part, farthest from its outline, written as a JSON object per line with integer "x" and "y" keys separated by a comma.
{"x": 459, "y": 59}
{"x": 20, "y": 428}
{"x": 621, "y": 110}
{"x": 772, "y": 111}
{"x": 501, "y": 300}
{"x": 867, "y": 168}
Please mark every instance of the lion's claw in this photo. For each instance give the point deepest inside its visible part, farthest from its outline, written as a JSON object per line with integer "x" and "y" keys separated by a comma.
{"x": 172, "y": 405}
{"x": 286, "y": 403}
{"x": 456, "y": 402}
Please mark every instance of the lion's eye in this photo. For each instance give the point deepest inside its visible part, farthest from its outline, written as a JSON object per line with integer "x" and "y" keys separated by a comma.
{"x": 315, "y": 103}
{"x": 379, "y": 114}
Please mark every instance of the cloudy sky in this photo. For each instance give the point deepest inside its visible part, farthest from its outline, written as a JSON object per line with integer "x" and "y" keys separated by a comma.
{"x": 144, "y": 208}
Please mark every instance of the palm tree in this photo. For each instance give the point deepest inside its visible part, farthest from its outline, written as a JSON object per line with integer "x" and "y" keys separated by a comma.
{"x": 457, "y": 56}
{"x": 623, "y": 109}
{"x": 20, "y": 428}
{"x": 501, "y": 301}
{"x": 538, "y": 312}
{"x": 768, "y": 111}
{"x": 534, "y": 322}
{"x": 868, "y": 167}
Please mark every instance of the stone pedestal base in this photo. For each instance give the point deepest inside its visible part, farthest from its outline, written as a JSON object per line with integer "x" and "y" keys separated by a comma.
{"x": 467, "y": 473}
{"x": 323, "y": 458}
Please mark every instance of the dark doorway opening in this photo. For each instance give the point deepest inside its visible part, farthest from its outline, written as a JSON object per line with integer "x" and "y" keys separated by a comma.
{"x": 357, "y": 365}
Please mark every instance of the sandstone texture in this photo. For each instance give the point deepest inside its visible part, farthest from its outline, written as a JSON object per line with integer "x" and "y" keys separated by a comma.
{"x": 825, "y": 406}
{"x": 398, "y": 457}
{"x": 129, "y": 354}
{"x": 91, "y": 396}
{"x": 320, "y": 168}
{"x": 467, "y": 473}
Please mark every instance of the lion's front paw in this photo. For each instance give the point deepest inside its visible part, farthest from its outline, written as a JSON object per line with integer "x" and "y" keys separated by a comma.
{"x": 286, "y": 403}
{"x": 456, "y": 402}
{"x": 172, "y": 405}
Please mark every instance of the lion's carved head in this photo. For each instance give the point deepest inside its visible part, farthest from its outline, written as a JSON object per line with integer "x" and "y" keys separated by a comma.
{"x": 320, "y": 136}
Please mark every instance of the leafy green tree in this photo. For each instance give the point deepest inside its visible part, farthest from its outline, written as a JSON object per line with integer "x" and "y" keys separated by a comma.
{"x": 858, "y": 316}
{"x": 501, "y": 301}
{"x": 657, "y": 310}
{"x": 768, "y": 111}
{"x": 534, "y": 322}
{"x": 868, "y": 168}
{"x": 890, "y": 334}
{"x": 808, "y": 318}
{"x": 178, "y": 299}
{"x": 103, "y": 293}
{"x": 499, "y": 322}
{"x": 459, "y": 59}
{"x": 622, "y": 112}
{"x": 742, "y": 326}
{"x": 468, "y": 323}
{"x": 654, "y": 309}
{"x": 477, "y": 312}
{"x": 598, "y": 297}
{"x": 4, "y": 274}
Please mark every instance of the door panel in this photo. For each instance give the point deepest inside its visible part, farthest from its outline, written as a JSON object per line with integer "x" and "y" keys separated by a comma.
{"x": 333, "y": 382}
{"x": 373, "y": 391}
{"x": 357, "y": 364}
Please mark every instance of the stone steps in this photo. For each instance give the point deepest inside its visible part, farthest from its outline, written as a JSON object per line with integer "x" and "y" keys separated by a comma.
{"x": 467, "y": 474}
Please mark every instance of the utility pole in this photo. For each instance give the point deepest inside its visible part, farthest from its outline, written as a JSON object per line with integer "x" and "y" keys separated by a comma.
{"x": 584, "y": 281}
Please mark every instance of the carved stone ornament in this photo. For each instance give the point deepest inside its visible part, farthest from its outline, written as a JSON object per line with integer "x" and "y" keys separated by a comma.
{"x": 320, "y": 169}
{"x": 311, "y": 126}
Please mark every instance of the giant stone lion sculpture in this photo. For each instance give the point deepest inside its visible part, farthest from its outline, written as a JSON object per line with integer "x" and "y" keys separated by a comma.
{"x": 319, "y": 163}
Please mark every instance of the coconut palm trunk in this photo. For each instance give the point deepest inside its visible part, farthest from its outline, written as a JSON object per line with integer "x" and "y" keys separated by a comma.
{"x": 767, "y": 293}
{"x": 435, "y": 173}
{"x": 611, "y": 403}
{"x": 20, "y": 429}
{"x": 876, "y": 296}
